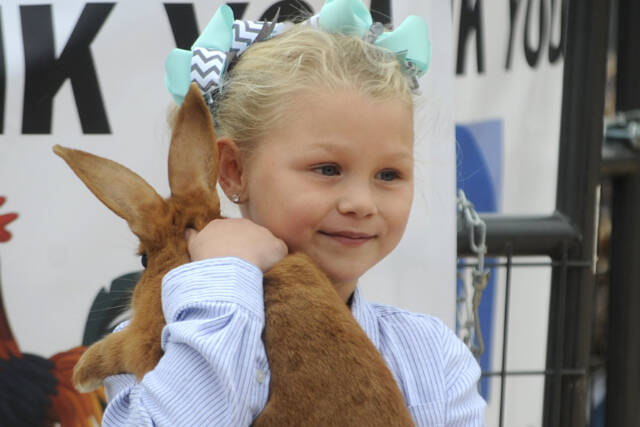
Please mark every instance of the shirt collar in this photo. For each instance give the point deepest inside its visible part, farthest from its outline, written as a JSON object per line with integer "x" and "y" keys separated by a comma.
{"x": 365, "y": 316}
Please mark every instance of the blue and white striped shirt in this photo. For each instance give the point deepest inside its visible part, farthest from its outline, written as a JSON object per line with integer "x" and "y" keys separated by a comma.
{"x": 214, "y": 370}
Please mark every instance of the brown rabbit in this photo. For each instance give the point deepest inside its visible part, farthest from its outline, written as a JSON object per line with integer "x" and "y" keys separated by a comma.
{"x": 324, "y": 369}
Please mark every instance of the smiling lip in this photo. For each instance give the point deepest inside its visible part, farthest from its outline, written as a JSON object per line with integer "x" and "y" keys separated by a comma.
{"x": 349, "y": 238}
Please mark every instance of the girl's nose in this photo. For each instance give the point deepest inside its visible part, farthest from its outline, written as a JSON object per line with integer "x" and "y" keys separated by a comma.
{"x": 358, "y": 200}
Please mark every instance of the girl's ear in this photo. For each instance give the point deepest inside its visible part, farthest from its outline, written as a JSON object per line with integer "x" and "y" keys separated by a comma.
{"x": 230, "y": 168}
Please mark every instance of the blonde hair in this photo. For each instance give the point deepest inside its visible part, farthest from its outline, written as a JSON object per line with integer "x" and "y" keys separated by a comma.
{"x": 254, "y": 94}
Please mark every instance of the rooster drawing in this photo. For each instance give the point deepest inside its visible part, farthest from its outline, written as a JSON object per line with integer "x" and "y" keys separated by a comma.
{"x": 35, "y": 391}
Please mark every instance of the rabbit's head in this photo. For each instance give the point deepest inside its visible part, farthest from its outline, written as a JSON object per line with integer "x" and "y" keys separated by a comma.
{"x": 160, "y": 224}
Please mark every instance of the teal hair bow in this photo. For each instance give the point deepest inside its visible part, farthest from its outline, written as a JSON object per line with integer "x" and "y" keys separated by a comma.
{"x": 223, "y": 39}
{"x": 410, "y": 40}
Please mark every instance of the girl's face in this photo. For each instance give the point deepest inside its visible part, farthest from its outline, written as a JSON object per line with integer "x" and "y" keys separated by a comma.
{"x": 335, "y": 182}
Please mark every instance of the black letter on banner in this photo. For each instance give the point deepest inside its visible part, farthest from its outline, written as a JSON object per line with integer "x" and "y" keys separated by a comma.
{"x": 290, "y": 10}
{"x": 184, "y": 27}
{"x": 182, "y": 19}
{"x": 531, "y": 54}
{"x": 44, "y": 74}
{"x": 513, "y": 15}
{"x": 555, "y": 50}
{"x": 238, "y": 9}
{"x": 381, "y": 11}
{"x": 470, "y": 20}
{"x": 3, "y": 77}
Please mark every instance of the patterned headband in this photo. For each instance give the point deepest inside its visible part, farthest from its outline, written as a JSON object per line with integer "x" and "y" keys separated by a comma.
{"x": 224, "y": 39}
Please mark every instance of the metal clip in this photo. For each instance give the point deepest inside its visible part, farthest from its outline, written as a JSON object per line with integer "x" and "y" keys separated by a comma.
{"x": 480, "y": 275}
{"x": 624, "y": 126}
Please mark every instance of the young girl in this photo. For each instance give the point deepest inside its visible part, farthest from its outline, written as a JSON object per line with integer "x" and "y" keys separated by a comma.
{"x": 315, "y": 138}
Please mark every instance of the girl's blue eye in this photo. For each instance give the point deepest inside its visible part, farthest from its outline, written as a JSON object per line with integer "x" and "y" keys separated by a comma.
{"x": 388, "y": 175}
{"x": 328, "y": 170}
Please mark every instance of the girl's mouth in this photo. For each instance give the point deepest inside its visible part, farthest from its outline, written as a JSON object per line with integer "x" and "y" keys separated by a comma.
{"x": 349, "y": 238}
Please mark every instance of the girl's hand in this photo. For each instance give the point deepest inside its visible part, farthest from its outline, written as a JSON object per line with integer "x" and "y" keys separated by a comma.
{"x": 239, "y": 238}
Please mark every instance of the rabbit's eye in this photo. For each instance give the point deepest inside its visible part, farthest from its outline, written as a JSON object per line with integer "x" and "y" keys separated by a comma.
{"x": 143, "y": 259}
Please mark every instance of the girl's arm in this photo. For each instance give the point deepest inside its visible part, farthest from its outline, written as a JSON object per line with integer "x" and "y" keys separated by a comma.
{"x": 465, "y": 407}
{"x": 214, "y": 368}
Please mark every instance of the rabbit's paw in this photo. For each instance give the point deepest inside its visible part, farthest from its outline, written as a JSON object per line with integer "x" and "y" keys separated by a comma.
{"x": 87, "y": 372}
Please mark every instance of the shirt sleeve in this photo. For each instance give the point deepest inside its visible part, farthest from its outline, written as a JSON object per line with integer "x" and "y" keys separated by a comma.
{"x": 214, "y": 370}
{"x": 464, "y": 405}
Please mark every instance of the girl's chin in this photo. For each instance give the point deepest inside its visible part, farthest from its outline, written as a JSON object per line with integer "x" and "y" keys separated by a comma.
{"x": 343, "y": 282}
{"x": 340, "y": 271}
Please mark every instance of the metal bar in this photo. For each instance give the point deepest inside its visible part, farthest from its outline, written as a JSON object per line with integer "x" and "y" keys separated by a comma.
{"x": 553, "y": 386}
{"x": 495, "y": 264}
{"x": 570, "y": 307}
{"x": 539, "y": 373}
{"x": 618, "y": 158}
{"x": 523, "y": 235}
{"x": 623, "y": 349}
{"x": 627, "y": 82}
{"x": 505, "y": 336}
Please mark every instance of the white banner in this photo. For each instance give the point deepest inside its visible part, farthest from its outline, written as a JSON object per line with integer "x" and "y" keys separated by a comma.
{"x": 91, "y": 76}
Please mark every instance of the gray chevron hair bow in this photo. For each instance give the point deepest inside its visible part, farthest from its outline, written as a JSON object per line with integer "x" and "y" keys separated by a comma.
{"x": 222, "y": 40}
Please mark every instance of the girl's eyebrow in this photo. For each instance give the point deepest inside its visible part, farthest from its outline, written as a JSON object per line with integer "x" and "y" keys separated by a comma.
{"x": 333, "y": 148}
{"x": 325, "y": 145}
{"x": 402, "y": 155}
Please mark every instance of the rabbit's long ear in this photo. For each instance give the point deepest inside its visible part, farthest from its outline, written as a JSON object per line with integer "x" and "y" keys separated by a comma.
{"x": 120, "y": 189}
{"x": 193, "y": 156}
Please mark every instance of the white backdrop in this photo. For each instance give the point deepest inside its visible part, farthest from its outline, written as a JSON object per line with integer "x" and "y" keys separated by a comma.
{"x": 66, "y": 245}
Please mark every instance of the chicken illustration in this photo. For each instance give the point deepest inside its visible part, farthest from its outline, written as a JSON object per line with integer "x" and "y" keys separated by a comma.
{"x": 36, "y": 391}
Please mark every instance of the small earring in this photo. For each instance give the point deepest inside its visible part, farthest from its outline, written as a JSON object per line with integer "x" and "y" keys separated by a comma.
{"x": 235, "y": 198}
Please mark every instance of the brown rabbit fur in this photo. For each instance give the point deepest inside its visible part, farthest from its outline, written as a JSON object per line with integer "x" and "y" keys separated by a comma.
{"x": 324, "y": 369}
